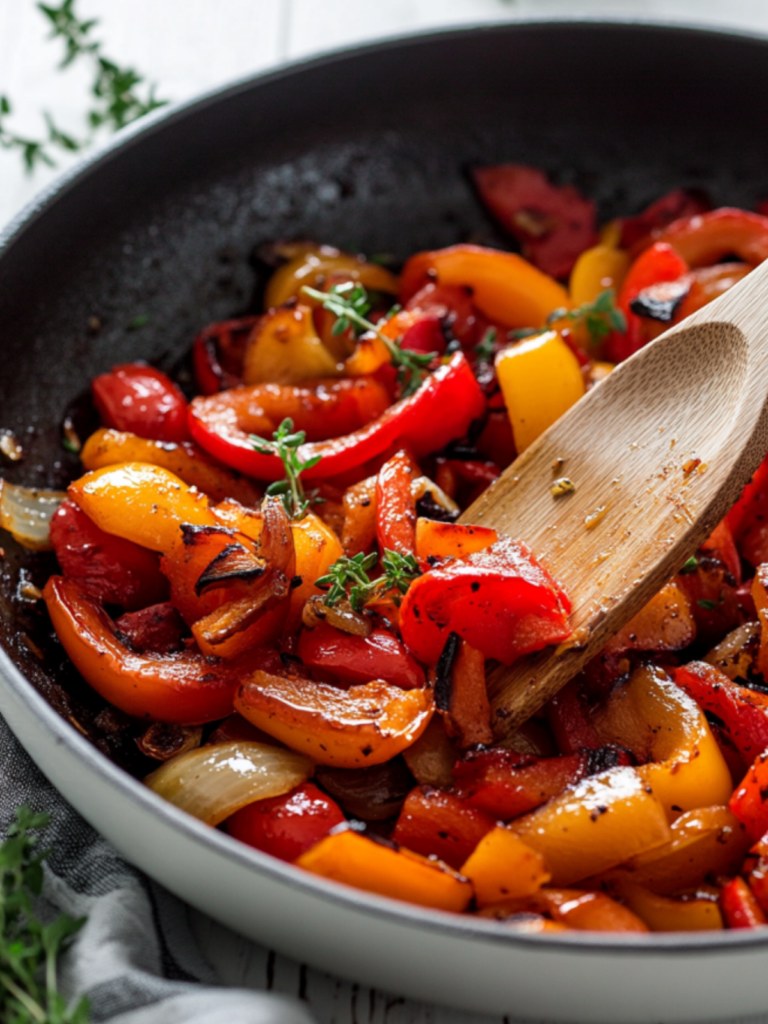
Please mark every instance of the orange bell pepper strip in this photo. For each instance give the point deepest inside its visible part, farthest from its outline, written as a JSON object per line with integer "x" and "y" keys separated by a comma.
{"x": 663, "y": 914}
{"x": 594, "y": 825}
{"x": 706, "y": 238}
{"x": 354, "y": 859}
{"x": 183, "y": 688}
{"x": 505, "y": 287}
{"x": 352, "y": 728}
{"x": 317, "y": 548}
{"x": 597, "y": 269}
{"x": 184, "y": 459}
{"x": 739, "y": 906}
{"x": 589, "y": 911}
{"x": 760, "y": 597}
{"x": 461, "y": 695}
{"x": 438, "y": 540}
{"x": 502, "y": 867}
{"x": 435, "y": 823}
{"x": 308, "y": 268}
{"x": 666, "y": 623}
{"x": 283, "y": 348}
{"x": 140, "y": 502}
{"x": 396, "y": 506}
{"x": 662, "y": 725}
{"x": 709, "y": 282}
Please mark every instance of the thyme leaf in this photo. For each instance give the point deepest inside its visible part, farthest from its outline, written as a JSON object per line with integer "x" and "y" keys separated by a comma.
{"x": 285, "y": 444}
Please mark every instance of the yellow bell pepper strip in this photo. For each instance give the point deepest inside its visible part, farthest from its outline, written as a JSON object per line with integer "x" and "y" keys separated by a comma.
{"x": 317, "y": 548}
{"x": 505, "y": 287}
{"x": 661, "y": 724}
{"x": 140, "y": 502}
{"x": 540, "y": 379}
{"x": 594, "y": 825}
{"x": 308, "y": 268}
{"x": 663, "y": 914}
{"x": 352, "y": 728}
{"x": 597, "y": 269}
{"x": 355, "y": 860}
{"x": 502, "y": 867}
{"x": 666, "y": 623}
{"x": 183, "y": 688}
{"x": 185, "y": 459}
{"x": 284, "y": 348}
{"x": 709, "y": 841}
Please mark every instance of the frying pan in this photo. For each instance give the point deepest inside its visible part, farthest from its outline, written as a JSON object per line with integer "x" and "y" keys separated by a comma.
{"x": 367, "y": 150}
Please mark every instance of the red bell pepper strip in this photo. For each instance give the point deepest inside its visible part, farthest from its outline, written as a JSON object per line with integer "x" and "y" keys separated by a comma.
{"x": 554, "y": 225}
{"x": 500, "y": 600}
{"x": 434, "y": 823}
{"x": 359, "y": 659}
{"x": 568, "y": 717}
{"x": 158, "y": 628}
{"x": 425, "y": 335}
{"x": 671, "y": 207}
{"x": 217, "y": 354}
{"x": 452, "y": 305}
{"x": 707, "y": 237}
{"x": 712, "y": 587}
{"x": 440, "y": 411}
{"x": 752, "y": 504}
{"x": 143, "y": 401}
{"x": 739, "y": 906}
{"x": 106, "y": 567}
{"x": 183, "y": 688}
{"x": 744, "y": 712}
{"x": 749, "y": 801}
{"x": 396, "y": 506}
{"x": 286, "y": 826}
{"x": 661, "y": 262}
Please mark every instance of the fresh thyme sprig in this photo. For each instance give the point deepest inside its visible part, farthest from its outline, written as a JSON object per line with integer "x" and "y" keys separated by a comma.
{"x": 29, "y": 949}
{"x": 599, "y": 318}
{"x": 285, "y": 444}
{"x": 485, "y": 347}
{"x": 349, "y": 303}
{"x": 117, "y": 101}
{"x": 348, "y": 578}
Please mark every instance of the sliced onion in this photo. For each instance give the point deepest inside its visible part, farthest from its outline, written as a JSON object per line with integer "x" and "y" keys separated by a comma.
{"x": 27, "y": 514}
{"x": 423, "y": 485}
{"x": 213, "y": 782}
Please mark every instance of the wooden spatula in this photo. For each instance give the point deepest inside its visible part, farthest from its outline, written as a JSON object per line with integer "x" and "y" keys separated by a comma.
{"x": 658, "y": 452}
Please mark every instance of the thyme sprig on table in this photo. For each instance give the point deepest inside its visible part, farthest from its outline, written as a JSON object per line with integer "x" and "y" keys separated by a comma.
{"x": 285, "y": 444}
{"x": 348, "y": 578}
{"x": 29, "y": 949}
{"x": 349, "y": 303}
{"x": 599, "y": 318}
{"x": 117, "y": 100}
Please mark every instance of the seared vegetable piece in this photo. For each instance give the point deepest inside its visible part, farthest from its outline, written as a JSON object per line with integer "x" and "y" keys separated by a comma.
{"x": 317, "y": 262}
{"x": 352, "y": 412}
{"x": 460, "y": 693}
{"x": 573, "y": 908}
{"x": 286, "y": 826}
{"x": 503, "y": 867}
{"x": 707, "y": 237}
{"x": 432, "y": 757}
{"x": 142, "y": 503}
{"x": 435, "y": 823}
{"x": 26, "y": 514}
{"x": 157, "y": 628}
{"x": 665, "y": 624}
{"x": 597, "y": 269}
{"x": 595, "y": 824}
{"x": 108, "y": 568}
{"x": 451, "y": 540}
{"x": 748, "y": 801}
{"x": 317, "y": 548}
{"x": 182, "y": 688}
{"x": 358, "y": 659}
{"x": 663, "y": 914}
{"x": 213, "y": 782}
{"x": 681, "y": 202}
{"x": 744, "y": 712}
{"x": 662, "y": 725}
{"x": 760, "y": 597}
{"x": 352, "y": 728}
{"x": 396, "y": 505}
{"x": 505, "y": 783}
{"x": 735, "y": 655}
{"x": 185, "y": 459}
{"x": 284, "y": 348}
{"x": 505, "y": 287}
{"x": 500, "y": 600}
{"x": 356, "y": 860}
{"x": 162, "y": 740}
{"x": 143, "y": 400}
{"x": 370, "y": 794}
{"x": 739, "y": 906}
{"x": 711, "y": 586}
{"x": 553, "y": 224}
{"x": 540, "y": 379}
{"x": 217, "y": 354}
{"x": 661, "y": 301}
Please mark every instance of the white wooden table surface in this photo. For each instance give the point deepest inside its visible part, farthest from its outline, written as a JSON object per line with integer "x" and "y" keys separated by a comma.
{"x": 187, "y": 46}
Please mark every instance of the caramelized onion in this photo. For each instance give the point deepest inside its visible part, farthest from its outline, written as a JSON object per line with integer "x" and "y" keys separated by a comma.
{"x": 27, "y": 514}
{"x": 212, "y": 783}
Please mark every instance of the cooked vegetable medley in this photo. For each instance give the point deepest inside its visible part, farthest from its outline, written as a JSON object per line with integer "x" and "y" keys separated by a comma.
{"x": 270, "y": 584}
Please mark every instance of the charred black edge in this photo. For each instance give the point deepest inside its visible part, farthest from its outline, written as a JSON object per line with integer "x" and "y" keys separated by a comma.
{"x": 652, "y": 308}
{"x": 190, "y": 532}
{"x": 444, "y": 672}
{"x": 217, "y": 572}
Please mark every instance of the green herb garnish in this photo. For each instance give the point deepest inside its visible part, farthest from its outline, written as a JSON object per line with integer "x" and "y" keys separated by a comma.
{"x": 348, "y": 578}
{"x": 285, "y": 444}
{"x": 707, "y": 604}
{"x": 349, "y": 303}
{"x": 690, "y": 566}
{"x": 599, "y": 318}
{"x": 29, "y": 949}
{"x": 116, "y": 101}
{"x": 484, "y": 350}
